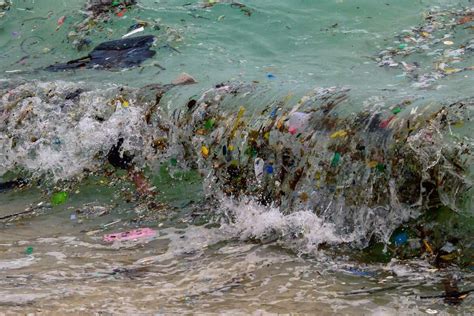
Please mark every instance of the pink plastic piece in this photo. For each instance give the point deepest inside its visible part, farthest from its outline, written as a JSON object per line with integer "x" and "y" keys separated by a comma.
{"x": 385, "y": 123}
{"x": 130, "y": 235}
{"x": 298, "y": 122}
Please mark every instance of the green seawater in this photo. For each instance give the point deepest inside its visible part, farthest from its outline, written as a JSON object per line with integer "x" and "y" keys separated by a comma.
{"x": 302, "y": 43}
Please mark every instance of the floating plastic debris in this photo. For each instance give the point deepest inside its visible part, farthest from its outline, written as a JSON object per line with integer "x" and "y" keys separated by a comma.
{"x": 140, "y": 233}
{"x": 59, "y": 198}
{"x": 128, "y": 52}
{"x": 135, "y": 31}
{"x": 29, "y": 250}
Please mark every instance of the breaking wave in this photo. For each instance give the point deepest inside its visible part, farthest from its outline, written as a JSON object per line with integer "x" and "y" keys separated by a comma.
{"x": 303, "y": 170}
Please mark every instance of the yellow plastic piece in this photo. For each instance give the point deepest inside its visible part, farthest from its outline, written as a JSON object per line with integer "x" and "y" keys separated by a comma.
{"x": 204, "y": 151}
{"x": 341, "y": 133}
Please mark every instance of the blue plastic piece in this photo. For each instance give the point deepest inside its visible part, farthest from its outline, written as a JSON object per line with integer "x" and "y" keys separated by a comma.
{"x": 274, "y": 113}
{"x": 269, "y": 169}
{"x": 358, "y": 272}
{"x": 270, "y": 76}
{"x": 401, "y": 238}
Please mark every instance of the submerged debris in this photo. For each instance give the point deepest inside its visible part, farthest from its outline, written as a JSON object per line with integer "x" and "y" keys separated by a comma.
{"x": 452, "y": 295}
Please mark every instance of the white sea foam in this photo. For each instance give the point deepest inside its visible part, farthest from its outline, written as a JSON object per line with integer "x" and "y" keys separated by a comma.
{"x": 303, "y": 229}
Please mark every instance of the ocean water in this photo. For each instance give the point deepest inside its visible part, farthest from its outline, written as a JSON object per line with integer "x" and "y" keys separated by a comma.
{"x": 216, "y": 253}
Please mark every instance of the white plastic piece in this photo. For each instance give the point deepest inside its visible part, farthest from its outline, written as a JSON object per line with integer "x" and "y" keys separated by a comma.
{"x": 258, "y": 167}
{"x": 135, "y": 31}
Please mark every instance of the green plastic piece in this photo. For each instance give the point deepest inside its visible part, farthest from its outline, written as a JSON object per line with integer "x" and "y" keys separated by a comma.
{"x": 209, "y": 124}
{"x": 402, "y": 46}
{"x": 251, "y": 152}
{"x": 335, "y": 159}
{"x": 396, "y": 110}
{"x": 29, "y": 250}
{"x": 174, "y": 161}
{"x": 380, "y": 167}
{"x": 115, "y": 3}
{"x": 59, "y": 198}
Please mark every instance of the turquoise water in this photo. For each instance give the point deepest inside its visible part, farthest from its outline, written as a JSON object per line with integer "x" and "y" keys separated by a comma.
{"x": 302, "y": 43}
{"x": 200, "y": 262}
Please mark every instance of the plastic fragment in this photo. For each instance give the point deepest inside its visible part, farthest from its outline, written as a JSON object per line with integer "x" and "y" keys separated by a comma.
{"x": 449, "y": 257}
{"x": 298, "y": 122}
{"x": 135, "y": 31}
{"x": 59, "y": 198}
{"x": 173, "y": 162}
{"x": 358, "y": 272}
{"x": 450, "y": 71}
{"x": 448, "y": 247}
{"x": 209, "y": 124}
{"x": 466, "y": 19}
{"x": 250, "y": 151}
{"x": 29, "y": 250}
{"x": 269, "y": 169}
{"x": 401, "y": 238}
{"x": 428, "y": 247}
{"x": 380, "y": 167}
{"x": 258, "y": 168}
{"x": 386, "y": 122}
{"x": 204, "y": 151}
{"x": 122, "y": 53}
{"x": 61, "y": 22}
{"x": 459, "y": 124}
{"x": 273, "y": 113}
{"x": 121, "y": 13}
{"x": 396, "y": 110}
{"x": 237, "y": 123}
{"x": 270, "y": 76}
{"x": 335, "y": 159}
{"x": 130, "y": 235}
{"x": 372, "y": 164}
{"x": 341, "y": 133}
